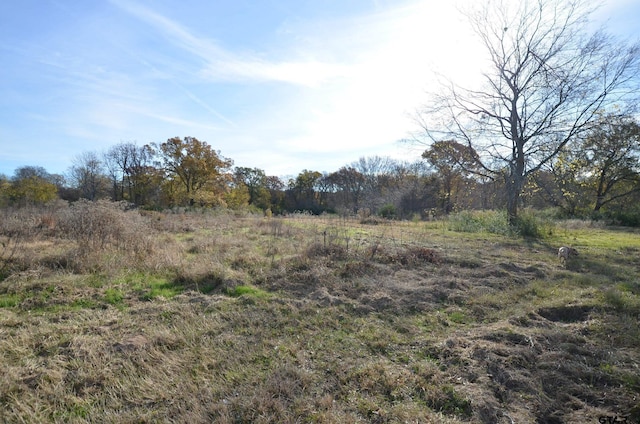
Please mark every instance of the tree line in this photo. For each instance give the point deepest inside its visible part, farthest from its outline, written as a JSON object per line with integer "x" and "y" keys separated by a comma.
{"x": 597, "y": 175}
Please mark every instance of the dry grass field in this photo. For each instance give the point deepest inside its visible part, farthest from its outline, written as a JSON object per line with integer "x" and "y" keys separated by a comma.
{"x": 109, "y": 315}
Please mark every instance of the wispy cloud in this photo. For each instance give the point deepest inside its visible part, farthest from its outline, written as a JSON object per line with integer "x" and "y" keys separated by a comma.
{"x": 224, "y": 65}
{"x": 309, "y": 73}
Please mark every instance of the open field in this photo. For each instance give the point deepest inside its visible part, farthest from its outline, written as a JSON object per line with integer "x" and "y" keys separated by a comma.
{"x": 124, "y": 316}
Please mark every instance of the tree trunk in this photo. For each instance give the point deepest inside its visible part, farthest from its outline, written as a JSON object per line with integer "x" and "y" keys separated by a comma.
{"x": 513, "y": 187}
{"x": 512, "y": 202}
{"x": 600, "y": 192}
{"x": 599, "y": 202}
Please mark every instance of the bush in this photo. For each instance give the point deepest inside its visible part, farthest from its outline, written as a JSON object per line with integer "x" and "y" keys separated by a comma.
{"x": 101, "y": 229}
{"x": 497, "y": 222}
{"x": 465, "y": 222}
{"x": 388, "y": 211}
{"x": 98, "y": 225}
{"x": 477, "y": 221}
{"x": 624, "y": 218}
{"x": 527, "y": 225}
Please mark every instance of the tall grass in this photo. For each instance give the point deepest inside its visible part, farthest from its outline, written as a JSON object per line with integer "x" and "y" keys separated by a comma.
{"x": 113, "y": 314}
{"x": 496, "y": 222}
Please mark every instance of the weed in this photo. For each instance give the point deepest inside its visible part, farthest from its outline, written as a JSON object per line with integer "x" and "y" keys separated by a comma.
{"x": 527, "y": 225}
{"x": 113, "y": 296}
{"x": 465, "y": 221}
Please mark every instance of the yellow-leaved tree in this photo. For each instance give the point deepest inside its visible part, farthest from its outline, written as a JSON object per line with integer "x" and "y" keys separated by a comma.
{"x": 201, "y": 174}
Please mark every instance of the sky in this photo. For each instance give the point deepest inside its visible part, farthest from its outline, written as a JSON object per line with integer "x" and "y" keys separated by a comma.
{"x": 280, "y": 85}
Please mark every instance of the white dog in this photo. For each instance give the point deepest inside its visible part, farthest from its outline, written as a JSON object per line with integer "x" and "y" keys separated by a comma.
{"x": 564, "y": 252}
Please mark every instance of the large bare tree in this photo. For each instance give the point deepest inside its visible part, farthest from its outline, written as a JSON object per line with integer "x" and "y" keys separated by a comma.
{"x": 548, "y": 75}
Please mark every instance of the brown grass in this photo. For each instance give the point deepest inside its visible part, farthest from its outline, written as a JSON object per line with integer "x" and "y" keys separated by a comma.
{"x": 212, "y": 317}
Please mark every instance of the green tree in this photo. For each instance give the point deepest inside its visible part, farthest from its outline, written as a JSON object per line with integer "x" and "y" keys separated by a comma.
{"x": 5, "y": 186}
{"x": 276, "y": 189}
{"x": 610, "y": 154}
{"x": 560, "y": 185}
{"x": 201, "y": 171}
{"x": 255, "y": 180}
{"x": 303, "y": 193}
{"x": 453, "y": 161}
{"x": 237, "y": 197}
{"x": 597, "y": 169}
{"x": 349, "y": 186}
{"x": 547, "y": 79}
{"x": 27, "y": 188}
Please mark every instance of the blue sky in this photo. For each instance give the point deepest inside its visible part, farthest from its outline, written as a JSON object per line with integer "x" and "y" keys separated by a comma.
{"x": 281, "y": 85}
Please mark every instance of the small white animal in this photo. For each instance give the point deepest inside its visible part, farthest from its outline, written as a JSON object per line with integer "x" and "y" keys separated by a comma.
{"x": 564, "y": 252}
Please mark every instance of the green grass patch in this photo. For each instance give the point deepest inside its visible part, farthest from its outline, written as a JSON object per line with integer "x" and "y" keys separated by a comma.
{"x": 113, "y": 296}
{"x": 83, "y": 303}
{"x": 10, "y": 300}
{"x": 622, "y": 301}
{"x": 459, "y": 317}
{"x": 599, "y": 240}
{"x": 160, "y": 287}
{"x": 148, "y": 287}
{"x": 245, "y": 290}
{"x": 450, "y": 401}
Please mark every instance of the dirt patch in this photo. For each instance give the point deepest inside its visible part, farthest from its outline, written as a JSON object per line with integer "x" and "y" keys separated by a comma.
{"x": 567, "y": 314}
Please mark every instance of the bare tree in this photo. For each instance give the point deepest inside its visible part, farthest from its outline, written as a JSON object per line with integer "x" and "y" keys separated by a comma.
{"x": 377, "y": 172}
{"x": 87, "y": 175}
{"x": 548, "y": 76}
{"x": 130, "y": 170}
